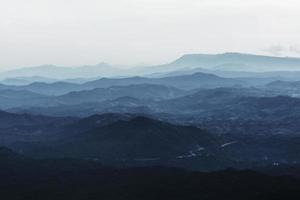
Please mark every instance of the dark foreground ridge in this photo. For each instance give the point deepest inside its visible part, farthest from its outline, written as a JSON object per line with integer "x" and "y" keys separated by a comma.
{"x": 24, "y": 179}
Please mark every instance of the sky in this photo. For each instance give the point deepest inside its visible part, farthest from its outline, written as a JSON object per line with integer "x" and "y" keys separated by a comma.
{"x": 142, "y": 32}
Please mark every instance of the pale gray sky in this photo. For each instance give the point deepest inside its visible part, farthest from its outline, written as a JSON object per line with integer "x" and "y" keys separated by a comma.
{"x": 76, "y": 32}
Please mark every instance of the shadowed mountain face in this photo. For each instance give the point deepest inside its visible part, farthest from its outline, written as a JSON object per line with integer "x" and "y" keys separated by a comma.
{"x": 30, "y": 128}
{"x": 134, "y": 140}
{"x": 140, "y": 138}
{"x": 123, "y": 139}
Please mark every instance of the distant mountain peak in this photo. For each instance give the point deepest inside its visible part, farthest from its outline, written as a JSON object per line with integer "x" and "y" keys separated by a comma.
{"x": 236, "y": 61}
{"x": 101, "y": 64}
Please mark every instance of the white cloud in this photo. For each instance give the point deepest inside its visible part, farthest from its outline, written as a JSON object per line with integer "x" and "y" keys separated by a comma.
{"x": 295, "y": 49}
{"x": 276, "y": 50}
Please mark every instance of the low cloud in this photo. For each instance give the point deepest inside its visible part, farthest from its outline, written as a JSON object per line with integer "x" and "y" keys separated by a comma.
{"x": 280, "y": 50}
{"x": 295, "y": 49}
{"x": 275, "y": 50}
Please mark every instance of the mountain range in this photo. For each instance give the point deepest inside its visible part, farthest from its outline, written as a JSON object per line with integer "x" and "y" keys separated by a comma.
{"x": 136, "y": 140}
{"x": 220, "y": 62}
{"x": 98, "y": 131}
{"x": 237, "y": 62}
{"x": 25, "y": 178}
{"x": 185, "y": 82}
{"x": 57, "y": 72}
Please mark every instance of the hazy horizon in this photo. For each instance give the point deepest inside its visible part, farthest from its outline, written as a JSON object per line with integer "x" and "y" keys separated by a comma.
{"x": 124, "y": 66}
{"x": 141, "y": 65}
{"x": 142, "y": 32}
